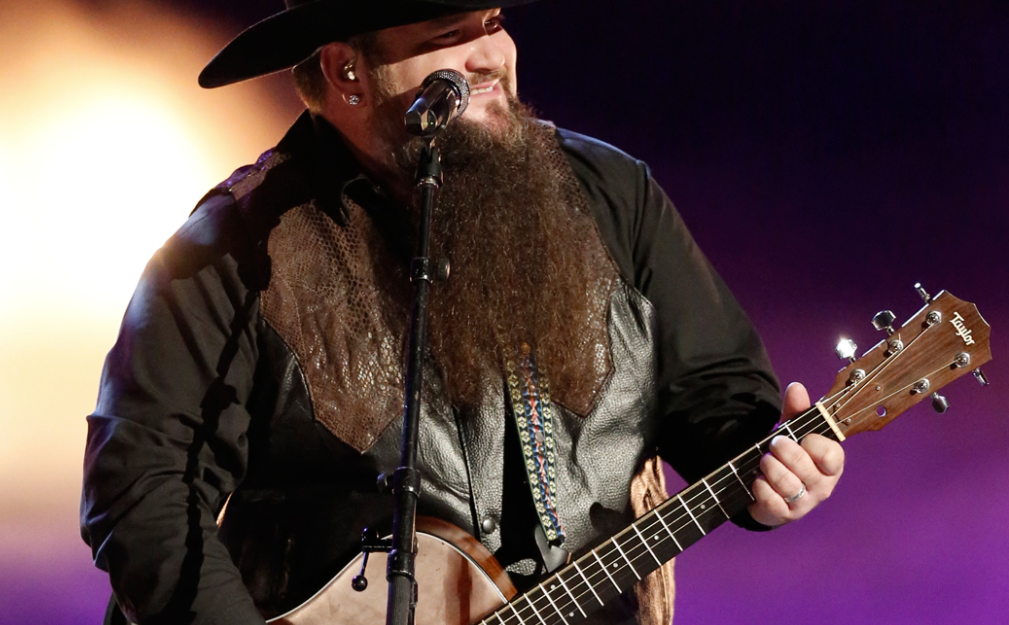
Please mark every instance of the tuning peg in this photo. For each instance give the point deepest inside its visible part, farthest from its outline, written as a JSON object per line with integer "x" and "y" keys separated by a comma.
{"x": 923, "y": 293}
{"x": 845, "y": 350}
{"x": 883, "y": 320}
{"x": 939, "y": 403}
{"x": 981, "y": 378}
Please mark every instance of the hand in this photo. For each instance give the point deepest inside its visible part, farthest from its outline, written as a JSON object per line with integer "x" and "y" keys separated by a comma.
{"x": 815, "y": 466}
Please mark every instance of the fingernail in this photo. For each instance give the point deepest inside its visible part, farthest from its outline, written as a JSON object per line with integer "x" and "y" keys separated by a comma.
{"x": 777, "y": 440}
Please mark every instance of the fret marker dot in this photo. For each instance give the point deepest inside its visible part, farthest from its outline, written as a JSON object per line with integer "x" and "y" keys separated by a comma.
{"x": 552, "y": 586}
{"x": 571, "y": 614}
{"x": 616, "y": 565}
{"x": 703, "y": 506}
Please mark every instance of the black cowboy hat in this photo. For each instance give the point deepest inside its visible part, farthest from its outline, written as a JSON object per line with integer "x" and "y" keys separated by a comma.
{"x": 291, "y": 36}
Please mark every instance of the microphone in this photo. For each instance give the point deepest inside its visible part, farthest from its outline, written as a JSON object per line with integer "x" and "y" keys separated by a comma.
{"x": 443, "y": 96}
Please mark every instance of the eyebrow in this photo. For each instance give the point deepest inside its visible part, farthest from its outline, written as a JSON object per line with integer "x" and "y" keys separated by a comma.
{"x": 448, "y": 20}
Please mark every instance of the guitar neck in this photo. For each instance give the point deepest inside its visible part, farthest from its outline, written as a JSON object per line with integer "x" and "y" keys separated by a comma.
{"x": 940, "y": 343}
{"x": 588, "y": 583}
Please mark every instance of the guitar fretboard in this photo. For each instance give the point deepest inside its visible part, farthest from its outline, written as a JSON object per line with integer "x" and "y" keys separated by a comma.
{"x": 585, "y": 585}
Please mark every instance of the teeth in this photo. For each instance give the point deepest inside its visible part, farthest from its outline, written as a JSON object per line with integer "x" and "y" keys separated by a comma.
{"x": 479, "y": 91}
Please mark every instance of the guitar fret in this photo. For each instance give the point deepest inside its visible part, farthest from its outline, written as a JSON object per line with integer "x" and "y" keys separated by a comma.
{"x": 669, "y": 531}
{"x": 605, "y": 570}
{"x": 717, "y": 486}
{"x": 790, "y": 432}
{"x": 741, "y": 482}
{"x": 551, "y": 600}
{"x": 617, "y": 545}
{"x": 515, "y": 612}
{"x": 685, "y": 507}
{"x": 529, "y": 600}
{"x": 568, "y": 590}
{"x": 588, "y": 583}
{"x": 713, "y": 496}
{"x": 645, "y": 543}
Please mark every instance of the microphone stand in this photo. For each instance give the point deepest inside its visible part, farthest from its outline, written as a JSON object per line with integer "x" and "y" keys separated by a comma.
{"x": 444, "y": 94}
{"x": 406, "y": 479}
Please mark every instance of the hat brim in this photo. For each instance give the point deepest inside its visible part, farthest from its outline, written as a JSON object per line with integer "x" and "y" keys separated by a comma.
{"x": 289, "y": 37}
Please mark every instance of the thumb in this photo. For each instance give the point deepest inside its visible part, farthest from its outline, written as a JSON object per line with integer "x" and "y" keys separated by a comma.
{"x": 796, "y": 400}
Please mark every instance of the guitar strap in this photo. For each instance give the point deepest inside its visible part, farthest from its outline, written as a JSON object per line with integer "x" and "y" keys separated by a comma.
{"x": 529, "y": 394}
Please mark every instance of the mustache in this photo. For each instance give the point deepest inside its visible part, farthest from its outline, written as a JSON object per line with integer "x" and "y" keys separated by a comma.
{"x": 476, "y": 78}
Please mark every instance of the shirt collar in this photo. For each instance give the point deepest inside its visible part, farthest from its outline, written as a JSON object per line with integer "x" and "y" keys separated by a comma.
{"x": 335, "y": 175}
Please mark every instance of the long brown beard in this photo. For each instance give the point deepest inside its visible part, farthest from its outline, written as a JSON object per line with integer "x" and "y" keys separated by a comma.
{"x": 527, "y": 263}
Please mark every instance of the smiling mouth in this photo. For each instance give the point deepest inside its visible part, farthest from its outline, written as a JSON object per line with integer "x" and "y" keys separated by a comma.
{"x": 486, "y": 89}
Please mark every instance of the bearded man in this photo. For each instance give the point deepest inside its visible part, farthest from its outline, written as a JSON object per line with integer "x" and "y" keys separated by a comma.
{"x": 580, "y": 335}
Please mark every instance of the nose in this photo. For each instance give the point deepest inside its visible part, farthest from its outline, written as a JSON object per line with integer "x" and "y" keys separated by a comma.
{"x": 486, "y": 54}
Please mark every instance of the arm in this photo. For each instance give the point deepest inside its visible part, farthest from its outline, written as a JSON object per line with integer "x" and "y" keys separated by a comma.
{"x": 167, "y": 441}
{"x": 718, "y": 394}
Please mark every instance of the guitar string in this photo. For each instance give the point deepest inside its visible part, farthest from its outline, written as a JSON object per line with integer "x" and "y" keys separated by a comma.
{"x": 806, "y": 427}
{"x": 811, "y": 421}
{"x": 879, "y": 369}
{"x": 594, "y": 578}
{"x": 805, "y": 423}
{"x": 902, "y": 389}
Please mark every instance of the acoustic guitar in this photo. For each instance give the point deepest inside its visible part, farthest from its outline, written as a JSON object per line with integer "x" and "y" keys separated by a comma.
{"x": 460, "y": 583}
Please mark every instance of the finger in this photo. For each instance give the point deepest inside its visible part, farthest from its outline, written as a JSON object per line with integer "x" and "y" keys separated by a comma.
{"x": 779, "y": 477}
{"x": 827, "y": 455}
{"x": 796, "y": 400}
{"x": 769, "y": 507}
{"x": 796, "y": 459}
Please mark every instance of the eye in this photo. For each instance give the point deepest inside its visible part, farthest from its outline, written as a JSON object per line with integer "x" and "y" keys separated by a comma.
{"x": 450, "y": 35}
{"x": 494, "y": 24}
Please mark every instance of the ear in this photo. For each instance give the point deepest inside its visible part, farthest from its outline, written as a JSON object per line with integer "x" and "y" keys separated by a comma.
{"x": 343, "y": 69}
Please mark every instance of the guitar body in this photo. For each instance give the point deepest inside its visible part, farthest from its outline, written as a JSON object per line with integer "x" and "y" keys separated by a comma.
{"x": 460, "y": 582}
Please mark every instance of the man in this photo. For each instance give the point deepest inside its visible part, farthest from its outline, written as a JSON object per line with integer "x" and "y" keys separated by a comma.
{"x": 581, "y": 333}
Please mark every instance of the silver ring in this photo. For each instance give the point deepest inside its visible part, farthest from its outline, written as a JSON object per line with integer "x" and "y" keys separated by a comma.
{"x": 797, "y": 496}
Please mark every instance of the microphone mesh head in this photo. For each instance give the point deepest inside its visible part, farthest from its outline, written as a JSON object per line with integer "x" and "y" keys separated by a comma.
{"x": 458, "y": 81}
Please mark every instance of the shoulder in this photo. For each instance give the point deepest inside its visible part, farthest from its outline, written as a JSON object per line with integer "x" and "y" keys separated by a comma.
{"x": 620, "y": 192}
{"x": 597, "y": 163}
{"x": 219, "y": 238}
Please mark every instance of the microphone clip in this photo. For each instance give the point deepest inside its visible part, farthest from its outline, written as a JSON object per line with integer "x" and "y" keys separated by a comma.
{"x": 443, "y": 96}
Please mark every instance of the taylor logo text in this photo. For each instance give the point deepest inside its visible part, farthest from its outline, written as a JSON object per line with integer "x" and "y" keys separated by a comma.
{"x": 961, "y": 329}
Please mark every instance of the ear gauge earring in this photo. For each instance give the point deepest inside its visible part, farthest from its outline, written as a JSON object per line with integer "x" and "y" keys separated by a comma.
{"x": 353, "y": 100}
{"x": 348, "y": 70}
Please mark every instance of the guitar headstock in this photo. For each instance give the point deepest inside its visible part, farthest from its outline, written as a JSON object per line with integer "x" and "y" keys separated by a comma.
{"x": 943, "y": 341}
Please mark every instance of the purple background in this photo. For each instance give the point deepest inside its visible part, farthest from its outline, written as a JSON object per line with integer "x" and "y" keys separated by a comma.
{"x": 826, "y": 156}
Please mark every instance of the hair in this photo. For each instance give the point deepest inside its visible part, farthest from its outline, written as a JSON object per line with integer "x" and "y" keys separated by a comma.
{"x": 311, "y": 82}
{"x": 529, "y": 271}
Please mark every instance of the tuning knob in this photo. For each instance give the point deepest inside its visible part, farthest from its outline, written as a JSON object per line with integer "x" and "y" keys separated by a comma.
{"x": 845, "y": 350}
{"x": 883, "y": 320}
{"x": 922, "y": 292}
{"x": 981, "y": 377}
{"x": 939, "y": 403}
